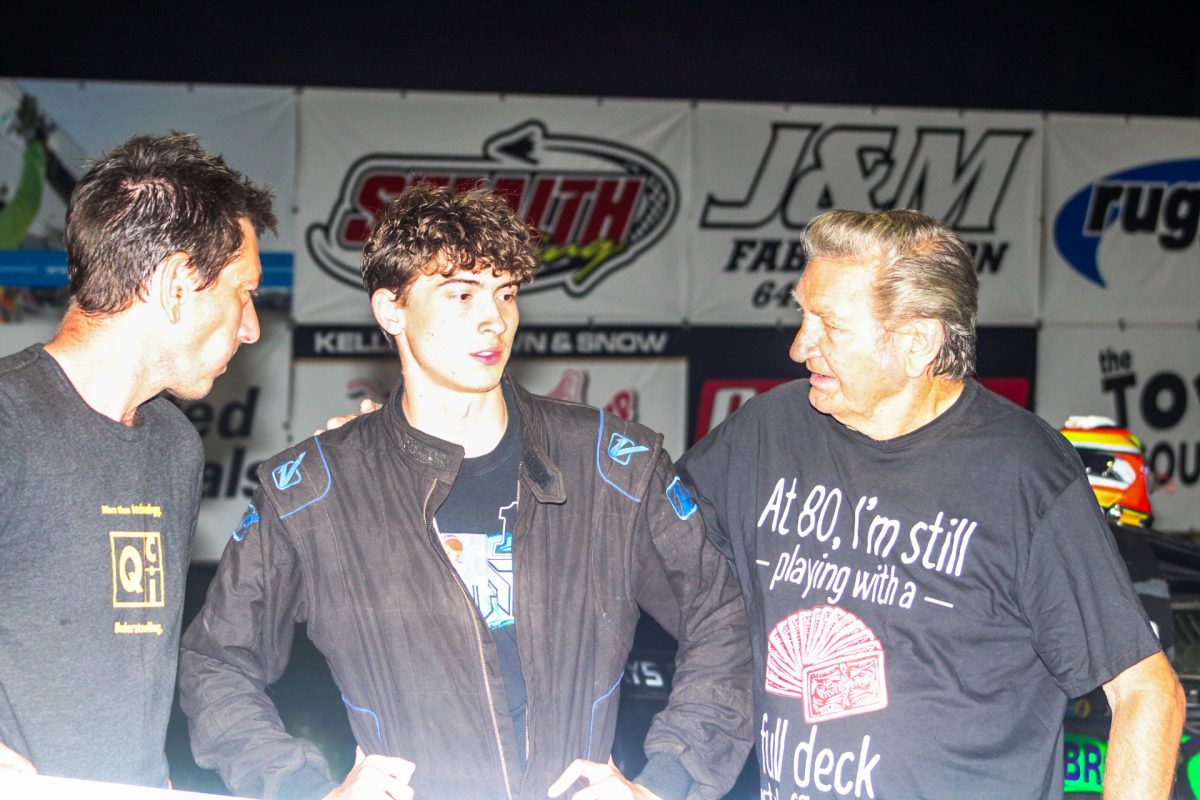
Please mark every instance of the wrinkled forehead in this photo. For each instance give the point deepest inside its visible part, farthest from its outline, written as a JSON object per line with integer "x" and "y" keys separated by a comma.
{"x": 829, "y": 283}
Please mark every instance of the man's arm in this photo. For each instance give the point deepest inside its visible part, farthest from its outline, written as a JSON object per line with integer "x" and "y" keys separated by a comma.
{"x": 239, "y": 644}
{"x": 1147, "y": 716}
{"x": 690, "y": 588}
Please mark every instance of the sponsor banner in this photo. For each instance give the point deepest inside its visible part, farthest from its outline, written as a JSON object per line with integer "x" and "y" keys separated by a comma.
{"x": 1122, "y": 235}
{"x": 646, "y": 390}
{"x": 1147, "y": 379}
{"x": 367, "y": 341}
{"x": 241, "y": 422}
{"x": 602, "y": 180}
{"x": 732, "y": 365}
{"x": 765, "y": 171}
{"x": 48, "y": 128}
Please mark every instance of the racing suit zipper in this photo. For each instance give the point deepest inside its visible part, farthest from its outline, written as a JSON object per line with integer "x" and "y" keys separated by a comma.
{"x": 474, "y": 614}
{"x": 528, "y": 699}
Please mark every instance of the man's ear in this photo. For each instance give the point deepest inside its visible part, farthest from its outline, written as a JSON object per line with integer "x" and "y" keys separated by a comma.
{"x": 172, "y": 281}
{"x": 389, "y": 313}
{"x": 925, "y": 337}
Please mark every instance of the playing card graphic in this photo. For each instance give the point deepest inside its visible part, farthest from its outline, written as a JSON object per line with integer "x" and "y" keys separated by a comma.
{"x": 828, "y": 658}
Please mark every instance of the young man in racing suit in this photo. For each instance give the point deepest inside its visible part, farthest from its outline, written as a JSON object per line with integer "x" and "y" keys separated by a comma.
{"x": 471, "y": 561}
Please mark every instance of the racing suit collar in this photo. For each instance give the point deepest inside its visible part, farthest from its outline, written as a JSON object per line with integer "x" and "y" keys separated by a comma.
{"x": 540, "y": 475}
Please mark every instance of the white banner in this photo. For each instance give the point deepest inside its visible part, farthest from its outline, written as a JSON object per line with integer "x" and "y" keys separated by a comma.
{"x": 1122, "y": 220}
{"x": 652, "y": 391}
{"x": 49, "y": 127}
{"x": 603, "y": 180}
{"x": 1147, "y": 379}
{"x": 241, "y": 422}
{"x": 764, "y": 172}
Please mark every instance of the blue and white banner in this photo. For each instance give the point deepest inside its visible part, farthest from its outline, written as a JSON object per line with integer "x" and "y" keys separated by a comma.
{"x": 1122, "y": 209}
{"x": 764, "y": 171}
{"x": 602, "y": 180}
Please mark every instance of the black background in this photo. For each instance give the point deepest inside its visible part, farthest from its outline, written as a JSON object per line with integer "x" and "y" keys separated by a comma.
{"x": 1126, "y": 58}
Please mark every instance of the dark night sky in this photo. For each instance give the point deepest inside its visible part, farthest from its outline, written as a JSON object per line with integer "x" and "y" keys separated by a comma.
{"x": 1131, "y": 58}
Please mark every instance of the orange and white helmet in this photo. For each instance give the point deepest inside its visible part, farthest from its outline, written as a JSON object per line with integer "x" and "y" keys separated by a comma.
{"x": 1116, "y": 467}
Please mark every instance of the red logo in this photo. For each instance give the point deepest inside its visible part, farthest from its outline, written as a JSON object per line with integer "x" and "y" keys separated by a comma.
{"x": 599, "y": 204}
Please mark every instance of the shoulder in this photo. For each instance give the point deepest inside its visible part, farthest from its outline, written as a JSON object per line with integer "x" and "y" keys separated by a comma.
{"x": 12, "y": 365}
{"x": 621, "y": 455}
{"x": 573, "y": 424}
{"x": 1013, "y": 440}
{"x": 19, "y": 375}
{"x": 1024, "y": 431}
{"x": 168, "y": 421}
{"x": 297, "y": 477}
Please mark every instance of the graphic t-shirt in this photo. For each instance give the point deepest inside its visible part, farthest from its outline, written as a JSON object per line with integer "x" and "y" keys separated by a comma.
{"x": 475, "y": 524}
{"x": 920, "y": 608}
{"x": 95, "y": 527}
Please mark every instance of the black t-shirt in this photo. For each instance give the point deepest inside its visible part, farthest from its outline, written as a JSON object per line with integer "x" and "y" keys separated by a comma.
{"x": 475, "y": 524}
{"x": 920, "y": 608}
{"x": 96, "y": 524}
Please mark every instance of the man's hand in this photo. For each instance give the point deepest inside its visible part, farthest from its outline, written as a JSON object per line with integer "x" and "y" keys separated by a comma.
{"x": 12, "y": 760}
{"x": 376, "y": 777}
{"x": 365, "y": 406}
{"x": 605, "y": 782}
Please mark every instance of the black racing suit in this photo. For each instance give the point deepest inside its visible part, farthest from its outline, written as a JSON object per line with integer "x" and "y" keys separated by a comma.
{"x": 339, "y": 536}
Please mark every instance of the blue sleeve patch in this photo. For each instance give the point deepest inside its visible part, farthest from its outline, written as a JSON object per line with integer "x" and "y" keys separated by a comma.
{"x": 248, "y": 519}
{"x": 681, "y": 499}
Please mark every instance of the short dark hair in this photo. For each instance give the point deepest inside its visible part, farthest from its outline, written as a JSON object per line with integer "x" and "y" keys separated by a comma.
{"x": 470, "y": 230}
{"x": 925, "y": 270}
{"x": 148, "y": 198}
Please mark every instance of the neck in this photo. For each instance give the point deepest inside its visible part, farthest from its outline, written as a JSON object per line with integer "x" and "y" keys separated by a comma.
{"x": 104, "y": 362}
{"x": 915, "y": 408}
{"x": 474, "y": 421}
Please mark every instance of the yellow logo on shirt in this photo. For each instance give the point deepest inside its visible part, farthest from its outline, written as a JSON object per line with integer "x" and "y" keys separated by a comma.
{"x": 137, "y": 565}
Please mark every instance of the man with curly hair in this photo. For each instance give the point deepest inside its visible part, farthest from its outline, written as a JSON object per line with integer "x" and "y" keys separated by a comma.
{"x": 471, "y": 560}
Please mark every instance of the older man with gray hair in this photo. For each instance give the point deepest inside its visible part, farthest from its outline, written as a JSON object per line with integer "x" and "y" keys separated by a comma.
{"x": 927, "y": 573}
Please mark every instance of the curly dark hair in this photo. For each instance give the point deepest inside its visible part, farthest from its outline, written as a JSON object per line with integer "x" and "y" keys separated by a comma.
{"x": 148, "y": 198}
{"x": 434, "y": 230}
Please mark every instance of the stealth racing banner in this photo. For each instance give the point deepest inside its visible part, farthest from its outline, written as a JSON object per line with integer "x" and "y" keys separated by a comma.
{"x": 1144, "y": 378}
{"x": 48, "y": 128}
{"x": 1122, "y": 220}
{"x": 600, "y": 179}
{"x": 764, "y": 172}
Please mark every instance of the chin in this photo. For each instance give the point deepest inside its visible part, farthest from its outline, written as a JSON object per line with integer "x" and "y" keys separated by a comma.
{"x": 191, "y": 392}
